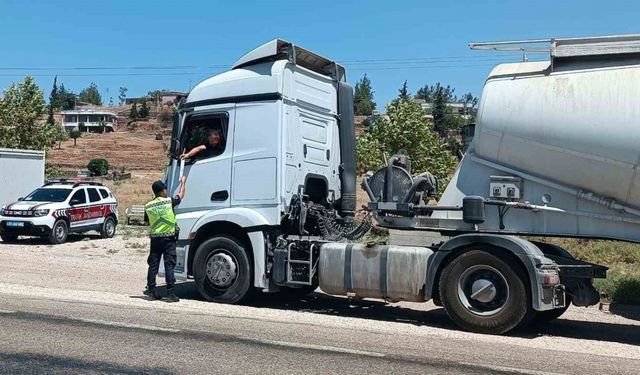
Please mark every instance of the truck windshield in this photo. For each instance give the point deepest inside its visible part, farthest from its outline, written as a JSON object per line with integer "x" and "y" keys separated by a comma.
{"x": 48, "y": 195}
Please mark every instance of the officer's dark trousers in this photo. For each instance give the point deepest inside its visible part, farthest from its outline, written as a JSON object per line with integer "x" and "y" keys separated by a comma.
{"x": 162, "y": 247}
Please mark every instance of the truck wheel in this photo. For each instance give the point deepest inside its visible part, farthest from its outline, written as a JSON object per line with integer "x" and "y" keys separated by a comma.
{"x": 108, "y": 227}
{"x": 9, "y": 238}
{"x": 59, "y": 232}
{"x": 542, "y": 317}
{"x": 482, "y": 293}
{"x": 222, "y": 271}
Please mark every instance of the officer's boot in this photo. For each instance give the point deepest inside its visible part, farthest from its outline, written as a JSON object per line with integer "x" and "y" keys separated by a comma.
{"x": 151, "y": 293}
{"x": 171, "y": 296}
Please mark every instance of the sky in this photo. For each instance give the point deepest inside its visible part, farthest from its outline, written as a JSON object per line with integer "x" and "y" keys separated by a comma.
{"x": 173, "y": 45}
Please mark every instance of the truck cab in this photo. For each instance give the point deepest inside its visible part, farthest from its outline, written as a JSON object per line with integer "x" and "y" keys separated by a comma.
{"x": 278, "y": 114}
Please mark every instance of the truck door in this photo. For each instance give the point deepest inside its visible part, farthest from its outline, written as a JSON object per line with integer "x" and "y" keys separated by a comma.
{"x": 209, "y": 171}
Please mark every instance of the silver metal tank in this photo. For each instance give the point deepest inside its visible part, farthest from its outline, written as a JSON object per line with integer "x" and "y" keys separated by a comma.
{"x": 396, "y": 273}
{"x": 576, "y": 123}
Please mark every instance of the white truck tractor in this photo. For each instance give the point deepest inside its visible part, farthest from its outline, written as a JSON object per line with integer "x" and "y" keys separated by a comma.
{"x": 272, "y": 207}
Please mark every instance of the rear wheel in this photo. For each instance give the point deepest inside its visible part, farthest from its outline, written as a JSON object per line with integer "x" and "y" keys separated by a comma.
{"x": 8, "y": 237}
{"x": 483, "y": 293}
{"x": 108, "y": 227}
{"x": 59, "y": 232}
{"x": 222, "y": 271}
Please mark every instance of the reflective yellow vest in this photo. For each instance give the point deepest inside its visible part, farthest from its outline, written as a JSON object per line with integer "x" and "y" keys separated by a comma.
{"x": 162, "y": 220}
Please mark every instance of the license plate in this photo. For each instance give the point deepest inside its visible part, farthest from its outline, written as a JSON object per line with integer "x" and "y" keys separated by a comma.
{"x": 559, "y": 298}
{"x": 15, "y": 224}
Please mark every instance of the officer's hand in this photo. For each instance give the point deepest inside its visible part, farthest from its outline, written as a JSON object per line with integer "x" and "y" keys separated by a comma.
{"x": 183, "y": 156}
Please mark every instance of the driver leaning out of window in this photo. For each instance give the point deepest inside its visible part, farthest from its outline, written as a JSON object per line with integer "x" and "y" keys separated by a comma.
{"x": 213, "y": 146}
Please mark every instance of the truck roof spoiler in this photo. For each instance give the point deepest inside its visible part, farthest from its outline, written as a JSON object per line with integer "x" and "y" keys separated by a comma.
{"x": 279, "y": 49}
{"x": 564, "y": 49}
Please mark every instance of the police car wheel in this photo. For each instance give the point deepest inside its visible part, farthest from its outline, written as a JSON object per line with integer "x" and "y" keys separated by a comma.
{"x": 59, "y": 232}
{"x": 222, "y": 271}
{"x": 9, "y": 238}
{"x": 108, "y": 228}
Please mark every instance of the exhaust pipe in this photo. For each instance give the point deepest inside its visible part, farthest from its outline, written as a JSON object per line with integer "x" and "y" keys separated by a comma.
{"x": 347, "y": 151}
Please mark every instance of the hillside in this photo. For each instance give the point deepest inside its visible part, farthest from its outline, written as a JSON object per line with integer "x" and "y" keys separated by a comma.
{"x": 132, "y": 150}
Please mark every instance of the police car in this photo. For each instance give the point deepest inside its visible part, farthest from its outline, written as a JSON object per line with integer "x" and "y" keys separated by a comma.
{"x": 58, "y": 208}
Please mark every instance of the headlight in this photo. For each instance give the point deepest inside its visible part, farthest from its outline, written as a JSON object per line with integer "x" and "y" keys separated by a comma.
{"x": 42, "y": 212}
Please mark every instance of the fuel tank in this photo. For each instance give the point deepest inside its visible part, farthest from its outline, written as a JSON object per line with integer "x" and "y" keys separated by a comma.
{"x": 395, "y": 273}
{"x": 576, "y": 123}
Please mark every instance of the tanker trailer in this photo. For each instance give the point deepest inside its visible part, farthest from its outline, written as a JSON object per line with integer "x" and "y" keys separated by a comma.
{"x": 555, "y": 153}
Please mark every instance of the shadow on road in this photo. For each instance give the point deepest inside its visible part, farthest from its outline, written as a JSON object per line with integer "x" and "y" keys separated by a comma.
{"x": 44, "y": 241}
{"x": 319, "y": 303}
{"x": 26, "y": 363}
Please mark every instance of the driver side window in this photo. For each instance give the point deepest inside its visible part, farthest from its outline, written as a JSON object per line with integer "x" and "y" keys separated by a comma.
{"x": 208, "y": 130}
{"x": 79, "y": 197}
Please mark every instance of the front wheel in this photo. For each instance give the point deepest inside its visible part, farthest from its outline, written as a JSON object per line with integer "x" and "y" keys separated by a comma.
{"x": 483, "y": 293}
{"x": 8, "y": 237}
{"x": 108, "y": 228}
{"x": 59, "y": 232}
{"x": 222, "y": 271}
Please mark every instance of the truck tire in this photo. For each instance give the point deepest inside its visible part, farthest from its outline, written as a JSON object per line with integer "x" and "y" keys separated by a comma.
{"x": 542, "y": 317}
{"x": 222, "y": 271}
{"x": 482, "y": 293}
{"x": 9, "y": 238}
{"x": 59, "y": 232}
{"x": 108, "y": 227}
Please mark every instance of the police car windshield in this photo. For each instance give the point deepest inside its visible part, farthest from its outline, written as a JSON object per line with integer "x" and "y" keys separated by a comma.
{"x": 48, "y": 195}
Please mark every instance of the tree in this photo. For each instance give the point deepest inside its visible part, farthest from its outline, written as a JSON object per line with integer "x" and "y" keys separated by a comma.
{"x": 123, "y": 95}
{"x": 424, "y": 93}
{"x": 133, "y": 114}
{"x": 53, "y": 99}
{"x": 470, "y": 102}
{"x": 99, "y": 167}
{"x": 443, "y": 118}
{"x": 404, "y": 91}
{"x": 21, "y": 108}
{"x": 90, "y": 95}
{"x": 75, "y": 134}
{"x": 65, "y": 100}
{"x": 143, "y": 112}
{"x": 60, "y": 136}
{"x": 405, "y": 128}
{"x": 101, "y": 127}
{"x": 363, "y": 102}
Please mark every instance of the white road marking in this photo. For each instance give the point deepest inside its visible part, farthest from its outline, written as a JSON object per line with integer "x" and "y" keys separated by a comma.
{"x": 334, "y": 349}
{"x": 127, "y": 325}
{"x": 7, "y": 311}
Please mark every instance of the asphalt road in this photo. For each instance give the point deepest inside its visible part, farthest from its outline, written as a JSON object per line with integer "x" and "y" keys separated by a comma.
{"x": 56, "y": 318}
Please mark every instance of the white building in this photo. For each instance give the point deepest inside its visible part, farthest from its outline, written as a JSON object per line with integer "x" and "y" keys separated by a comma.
{"x": 89, "y": 120}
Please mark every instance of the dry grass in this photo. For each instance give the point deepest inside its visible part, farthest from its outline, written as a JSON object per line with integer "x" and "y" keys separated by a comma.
{"x": 131, "y": 150}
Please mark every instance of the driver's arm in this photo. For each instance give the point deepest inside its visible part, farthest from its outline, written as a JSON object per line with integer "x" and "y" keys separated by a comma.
{"x": 194, "y": 151}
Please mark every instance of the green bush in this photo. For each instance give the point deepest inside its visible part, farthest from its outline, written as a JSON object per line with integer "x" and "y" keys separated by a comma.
{"x": 98, "y": 167}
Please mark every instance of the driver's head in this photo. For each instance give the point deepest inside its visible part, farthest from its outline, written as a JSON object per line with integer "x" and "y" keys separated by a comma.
{"x": 214, "y": 137}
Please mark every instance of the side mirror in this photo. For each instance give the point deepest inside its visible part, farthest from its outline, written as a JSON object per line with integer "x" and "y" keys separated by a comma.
{"x": 74, "y": 202}
{"x": 21, "y": 199}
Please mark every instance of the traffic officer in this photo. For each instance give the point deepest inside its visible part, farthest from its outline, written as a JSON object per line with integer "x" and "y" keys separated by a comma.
{"x": 164, "y": 234}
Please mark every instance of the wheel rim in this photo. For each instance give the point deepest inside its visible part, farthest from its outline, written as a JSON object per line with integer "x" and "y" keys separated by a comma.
{"x": 109, "y": 227}
{"x": 60, "y": 232}
{"x": 483, "y": 290}
{"x": 221, "y": 269}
